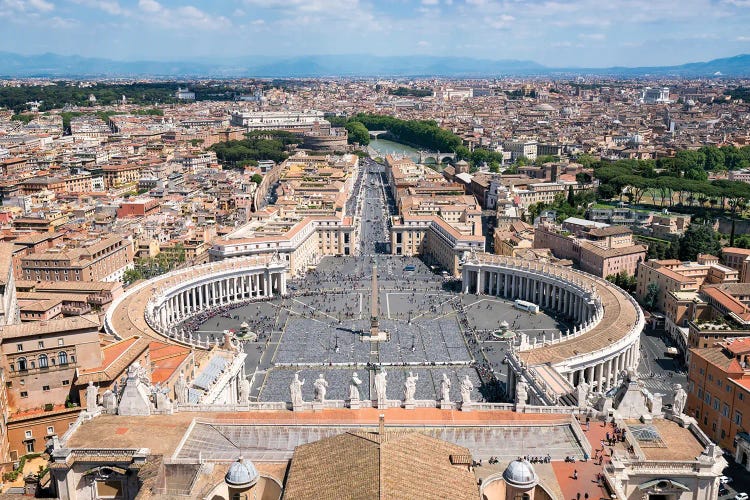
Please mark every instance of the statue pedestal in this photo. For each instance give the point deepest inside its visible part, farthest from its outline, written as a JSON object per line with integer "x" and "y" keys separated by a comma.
{"x": 467, "y": 406}
{"x": 298, "y": 407}
{"x": 318, "y": 405}
{"x": 382, "y": 404}
{"x": 355, "y": 404}
{"x": 409, "y": 405}
{"x": 446, "y": 405}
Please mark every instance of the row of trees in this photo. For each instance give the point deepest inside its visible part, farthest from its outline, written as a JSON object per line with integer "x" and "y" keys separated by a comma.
{"x": 422, "y": 133}
{"x": 258, "y": 145}
{"x": 695, "y": 164}
{"x": 150, "y": 267}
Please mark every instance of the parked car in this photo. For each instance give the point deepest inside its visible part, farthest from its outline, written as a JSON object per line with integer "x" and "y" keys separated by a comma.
{"x": 740, "y": 496}
{"x": 725, "y": 479}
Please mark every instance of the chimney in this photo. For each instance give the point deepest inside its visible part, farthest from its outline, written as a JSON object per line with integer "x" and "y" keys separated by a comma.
{"x": 381, "y": 423}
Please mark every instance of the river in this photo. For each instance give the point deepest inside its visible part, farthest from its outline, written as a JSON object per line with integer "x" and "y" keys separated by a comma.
{"x": 384, "y": 147}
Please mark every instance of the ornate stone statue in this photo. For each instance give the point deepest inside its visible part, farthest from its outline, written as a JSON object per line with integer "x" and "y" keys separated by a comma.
{"x": 680, "y": 398}
{"x": 380, "y": 386}
{"x": 354, "y": 384}
{"x": 410, "y": 387}
{"x": 466, "y": 388}
{"x": 244, "y": 391}
{"x": 109, "y": 401}
{"x": 320, "y": 387}
{"x": 181, "y": 390}
{"x": 445, "y": 389}
{"x": 522, "y": 392}
{"x": 582, "y": 392}
{"x": 296, "y": 389}
{"x": 91, "y": 394}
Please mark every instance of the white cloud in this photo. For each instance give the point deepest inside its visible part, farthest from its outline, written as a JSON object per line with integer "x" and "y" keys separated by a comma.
{"x": 25, "y": 6}
{"x": 592, "y": 36}
{"x": 743, "y": 39}
{"x": 150, "y": 6}
{"x": 41, "y": 5}
{"x": 430, "y": 2}
{"x": 112, "y": 7}
{"x": 423, "y": 43}
{"x": 503, "y": 21}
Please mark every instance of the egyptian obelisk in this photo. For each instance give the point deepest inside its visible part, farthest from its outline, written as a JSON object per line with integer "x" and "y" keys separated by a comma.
{"x": 376, "y": 335}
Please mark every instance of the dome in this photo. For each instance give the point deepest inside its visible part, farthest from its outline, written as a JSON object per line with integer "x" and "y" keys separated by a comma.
{"x": 544, "y": 107}
{"x": 462, "y": 162}
{"x": 241, "y": 474}
{"x": 520, "y": 473}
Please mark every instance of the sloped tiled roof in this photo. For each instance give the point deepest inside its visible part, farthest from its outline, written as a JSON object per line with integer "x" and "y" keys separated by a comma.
{"x": 391, "y": 466}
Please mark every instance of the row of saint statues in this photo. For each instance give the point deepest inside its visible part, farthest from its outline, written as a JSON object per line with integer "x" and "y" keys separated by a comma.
{"x": 320, "y": 388}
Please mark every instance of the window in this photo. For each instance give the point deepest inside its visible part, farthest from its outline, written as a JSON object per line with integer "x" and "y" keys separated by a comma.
{"x": 24, "y": 394}
{"x": 708, "y": 398}
{"x": 725, "y": 410}
{"x": 50, "y": 430}
{"x": 738, "y": 418}
{"x": 45, "y": 388}
{"x": 19, "y": 347}
{"x": 62, "y": 358}
{"x": 41, "y": 344}
{"x": 60, "y": 341}
{"x": 30, "y": 447}
{"x": 716, "y": 403}
{"x": 700, "y": 393}
{"x": 28, "y": 434}
{"x": 66, "y": 382}
{"x": 43, "y": 361}
{"x": 741, "y": 396}
{"x": 21, "y": 364}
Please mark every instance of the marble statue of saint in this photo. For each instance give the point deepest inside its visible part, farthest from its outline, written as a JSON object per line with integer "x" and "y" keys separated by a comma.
{"x": 91, "y": 393}
{"x": 445, "y": 388}
{"x": 410, "y": 387}
{"x": 380, "y": 385}
{"x": 582, "y": 393}
{"x": 181, "y": 389}
{"x": 320, "y": 386}
{"x": 680, "y": 398}
{"x": 296, "y": 389}
{"x": 244, "y": 389}
{"x": 354, "y": 384}
{"x": 522, "y": 392}
{"x": 466, "y": 388}
{"x": 109, "y": 401}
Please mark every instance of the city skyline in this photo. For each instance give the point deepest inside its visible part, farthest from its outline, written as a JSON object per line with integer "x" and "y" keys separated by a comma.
{"x": 556, "y": 34}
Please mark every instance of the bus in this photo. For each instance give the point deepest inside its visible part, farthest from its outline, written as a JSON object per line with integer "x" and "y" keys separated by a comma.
{"x": 526, "y": 306}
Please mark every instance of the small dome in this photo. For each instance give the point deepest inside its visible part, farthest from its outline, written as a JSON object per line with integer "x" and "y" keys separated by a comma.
{"x": 520, "y": 473}
{"x": 462, "y": 162}
{"x": 241, "y": 474}
{"x": 544, "y": 107}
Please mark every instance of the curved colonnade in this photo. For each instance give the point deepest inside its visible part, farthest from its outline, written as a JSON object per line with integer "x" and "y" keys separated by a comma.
{"x": 155, "y": 307}
{"x": 604, "y": 341}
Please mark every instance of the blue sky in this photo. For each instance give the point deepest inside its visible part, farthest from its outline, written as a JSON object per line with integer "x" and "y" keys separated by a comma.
{"x": 551, "y": 32}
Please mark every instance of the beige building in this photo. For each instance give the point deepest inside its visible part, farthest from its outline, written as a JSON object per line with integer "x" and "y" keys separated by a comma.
{"x": 595, "y": 248}
{"x": 96, "y": 259}
{"x": 42, "y": 358}
{"x": 739, "y": 259}
{"x": 677, "y": 276}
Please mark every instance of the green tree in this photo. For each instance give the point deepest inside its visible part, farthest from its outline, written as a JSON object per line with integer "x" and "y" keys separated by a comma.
{"x": 571, "y": 196}
{"x": 358, "y": 133}
{"x": 257, "y": 178}
{"x": 652, "y": 293}
{"x": 697, "y": 239}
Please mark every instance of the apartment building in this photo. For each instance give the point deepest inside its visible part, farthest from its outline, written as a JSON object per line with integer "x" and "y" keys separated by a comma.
{"x": 719, "y": 392}
{"x": 739, "y": 259}
{"x": 93, "y": 259}
{"x": 671, "y": 275}
{"x": 595, "y": 248}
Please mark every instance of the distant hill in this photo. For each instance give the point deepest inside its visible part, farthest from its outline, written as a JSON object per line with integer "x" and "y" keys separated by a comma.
{"x": 54, "y": 65}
